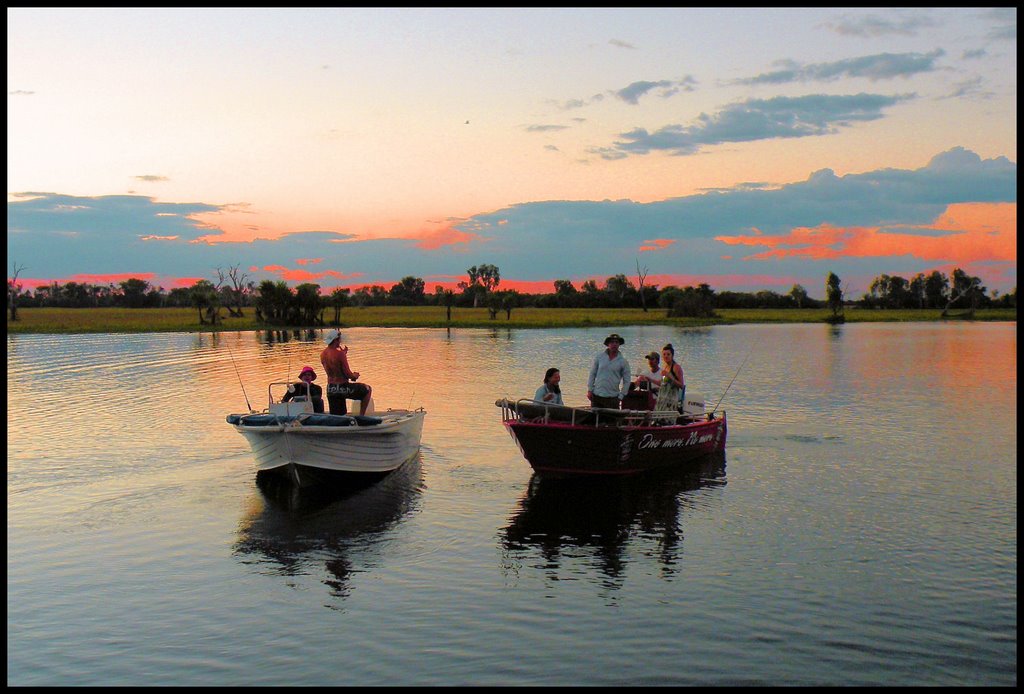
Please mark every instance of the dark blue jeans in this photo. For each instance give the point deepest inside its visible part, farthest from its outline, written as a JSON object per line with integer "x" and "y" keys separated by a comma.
{"x": 612, "y": 402}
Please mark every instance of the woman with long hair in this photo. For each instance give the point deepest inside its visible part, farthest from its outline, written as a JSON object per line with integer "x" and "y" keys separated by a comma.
{"x": 549, "y": 392}
{"x": 673, "y": 387}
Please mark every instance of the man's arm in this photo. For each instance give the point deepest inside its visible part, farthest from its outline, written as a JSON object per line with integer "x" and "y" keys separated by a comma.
{"x": 593, "y": 375}
{"x": 626, "y": 376}
{"x": 345, "y": 369}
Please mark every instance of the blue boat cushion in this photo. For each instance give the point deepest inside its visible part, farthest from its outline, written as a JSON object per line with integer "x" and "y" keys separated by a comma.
{"x": 308, "y": 419}
{"x": 327, "y": 420}
{"x": 263, "y": 420}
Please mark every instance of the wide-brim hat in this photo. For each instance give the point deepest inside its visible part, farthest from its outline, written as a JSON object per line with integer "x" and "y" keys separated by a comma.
{"x": 616, "y": 337}
{"x": 331, "y": 336}
{"x": 305, "y": 370}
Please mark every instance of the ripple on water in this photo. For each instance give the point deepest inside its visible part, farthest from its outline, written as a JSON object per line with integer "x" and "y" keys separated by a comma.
{"x": 861, "y": 531}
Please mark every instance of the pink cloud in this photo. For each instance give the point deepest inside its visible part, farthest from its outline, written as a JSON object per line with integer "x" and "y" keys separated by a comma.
{"x": 179, "y": 282}
{"x": 445, "y": 236}
{"x": 656, "y": 244}
{"x": 979, "y": 232}
{"x": 291, "y": 275}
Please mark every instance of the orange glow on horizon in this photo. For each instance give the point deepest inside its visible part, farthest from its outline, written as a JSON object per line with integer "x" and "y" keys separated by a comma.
{"x": 238, "y": 224}
{"x": 154, "y": 280}
{"x": 978, "y": 232}
{"x": 304, "y": 276}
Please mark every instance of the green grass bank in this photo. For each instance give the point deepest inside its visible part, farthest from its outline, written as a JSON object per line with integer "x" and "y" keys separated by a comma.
{"x": 145, "y": 320}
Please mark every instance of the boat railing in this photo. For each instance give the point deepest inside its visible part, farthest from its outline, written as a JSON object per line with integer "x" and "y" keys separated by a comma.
{"x": 296, "y": 405}
{"x": 536, "y": 411}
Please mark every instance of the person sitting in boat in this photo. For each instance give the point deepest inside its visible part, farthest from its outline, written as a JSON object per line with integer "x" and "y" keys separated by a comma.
{"x": 651, "y": 379}
{"x": 306, "y": 389}
{"x": 673, "y": 387}
{"x": 610, "y": 376}
{"x": 339, "y": 377}
{"x": 549, "y": 392}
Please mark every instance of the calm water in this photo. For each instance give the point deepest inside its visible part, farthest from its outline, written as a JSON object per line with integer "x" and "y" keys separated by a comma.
{"x": 861, "y": 529}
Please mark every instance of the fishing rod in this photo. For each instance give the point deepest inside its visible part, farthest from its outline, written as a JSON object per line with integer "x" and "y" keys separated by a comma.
{"x": 239, "y": 376}
{"x": 749, "y": 352}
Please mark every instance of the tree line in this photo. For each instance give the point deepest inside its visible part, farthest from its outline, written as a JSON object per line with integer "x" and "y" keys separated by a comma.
{"x": 276, "y": 303}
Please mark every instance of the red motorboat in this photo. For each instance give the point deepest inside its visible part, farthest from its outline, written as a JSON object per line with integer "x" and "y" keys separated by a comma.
{"x": 561, "y": 440}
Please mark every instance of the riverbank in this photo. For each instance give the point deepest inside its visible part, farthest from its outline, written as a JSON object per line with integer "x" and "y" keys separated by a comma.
{"x": 147, "y": 320}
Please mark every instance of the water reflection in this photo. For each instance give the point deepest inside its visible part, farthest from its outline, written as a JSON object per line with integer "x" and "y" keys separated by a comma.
{"x": 606, "y": 516}
{"x": 270, "y": 337}
{"x": 297, "y": 530}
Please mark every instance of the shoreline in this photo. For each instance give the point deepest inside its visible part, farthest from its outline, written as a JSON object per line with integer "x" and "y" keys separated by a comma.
{"x": 62, "y": 321}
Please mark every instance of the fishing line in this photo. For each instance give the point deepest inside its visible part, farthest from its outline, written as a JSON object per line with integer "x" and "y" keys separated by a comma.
{"x": 749, "y": 352}
{"x": 239, "y": 376}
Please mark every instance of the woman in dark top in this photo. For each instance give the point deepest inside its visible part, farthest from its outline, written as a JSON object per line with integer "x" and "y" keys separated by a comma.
{"x": 305, "y": 388}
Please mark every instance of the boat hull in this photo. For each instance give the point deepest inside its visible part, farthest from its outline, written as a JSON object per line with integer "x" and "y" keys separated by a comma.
{"x": 558, "y": 448}
{"x": 292, "y": 448}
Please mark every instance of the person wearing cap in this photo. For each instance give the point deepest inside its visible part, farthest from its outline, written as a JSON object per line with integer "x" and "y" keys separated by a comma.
{"x": 610, "y": 375}
{"x": 305, "y": 388}
{"x": 651, "y": 380}
{"x": 340, "y": 385}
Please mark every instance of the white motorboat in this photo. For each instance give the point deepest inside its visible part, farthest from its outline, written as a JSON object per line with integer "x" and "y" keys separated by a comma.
{"x": 290, "y": 438}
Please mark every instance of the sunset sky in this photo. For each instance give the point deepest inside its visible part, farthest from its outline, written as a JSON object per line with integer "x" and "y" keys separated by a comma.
{"x": 746, "y": 148}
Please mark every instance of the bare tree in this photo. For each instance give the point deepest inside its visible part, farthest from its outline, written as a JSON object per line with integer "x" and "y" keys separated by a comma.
{"x": 640, "y": 277}
{"x": 14, "y": 291}
{"x": 235, "y": 293}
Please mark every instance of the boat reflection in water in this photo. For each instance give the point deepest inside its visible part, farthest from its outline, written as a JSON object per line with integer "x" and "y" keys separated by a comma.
{"x": 299, "y": 531}
{"x": 610, "y": 515}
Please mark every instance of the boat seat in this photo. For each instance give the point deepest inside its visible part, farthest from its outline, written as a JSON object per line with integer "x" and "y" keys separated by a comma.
{"x": 294, "y": 407}
{"x": 353, "y": 406}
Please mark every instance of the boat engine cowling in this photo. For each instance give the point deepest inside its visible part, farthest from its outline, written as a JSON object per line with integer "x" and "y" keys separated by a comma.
{"x": 693, "y": 405}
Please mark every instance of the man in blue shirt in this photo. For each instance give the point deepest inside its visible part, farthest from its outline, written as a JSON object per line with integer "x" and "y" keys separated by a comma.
{"x": 609, "y": 376}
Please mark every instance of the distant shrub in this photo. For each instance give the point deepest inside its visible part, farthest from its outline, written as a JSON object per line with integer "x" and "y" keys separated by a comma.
{"x": 693, "y": 303}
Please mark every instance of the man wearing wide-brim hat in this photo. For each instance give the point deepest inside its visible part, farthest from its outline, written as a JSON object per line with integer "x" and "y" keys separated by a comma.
{"x": 610, "y": 375}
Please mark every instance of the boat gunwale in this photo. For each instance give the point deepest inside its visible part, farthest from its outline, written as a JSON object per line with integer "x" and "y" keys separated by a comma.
{"x": 295, "y": 426}
{"x": 625, "y": 420}
{"x": 611, "y": 427}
